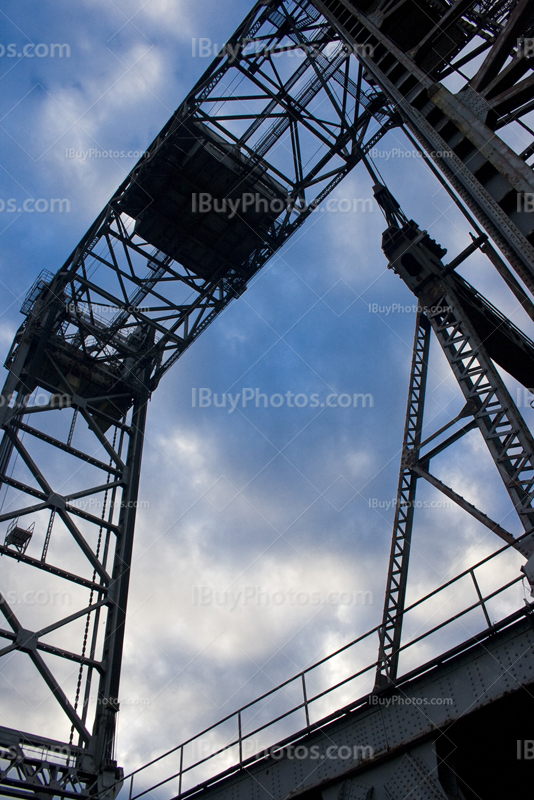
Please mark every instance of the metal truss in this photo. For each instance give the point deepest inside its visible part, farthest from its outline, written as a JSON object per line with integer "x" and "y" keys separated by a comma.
{"x": 254, "y": 147}
{"x": 474, "y": 337}
{"x": 390, "y": 635}
{"x": 409, "y": 49}
{"x": 87, "y": 549}
{"x": 298, "y": 96}
{"x": 274, "y": 124}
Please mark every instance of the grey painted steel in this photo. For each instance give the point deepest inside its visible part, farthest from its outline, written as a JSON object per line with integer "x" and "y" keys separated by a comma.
{"x": 412, "y": 775}
{"x": 412, "y": 779}
{"x": 348, "y": 790}
{"x": 430, "y": 109}
{"x": 398, "y": 721}
{"x": 390, "y": 634}
{"x": 509, "y": 441}
{"x": 443, "y": 296}
{"x": 442, "y": 122}
{"x": 100, "y": 371}
{"x": 104, "y": 371}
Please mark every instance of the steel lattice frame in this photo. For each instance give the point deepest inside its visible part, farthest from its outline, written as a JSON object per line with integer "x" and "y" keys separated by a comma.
{"x": 461, "y": 137}
{"x": 461, "y": 133}
{"x": 390, "y": 637}
{"x": 104, "y": 371}
{"x": 444, "y": 296}
{"x": 97, "y": 374}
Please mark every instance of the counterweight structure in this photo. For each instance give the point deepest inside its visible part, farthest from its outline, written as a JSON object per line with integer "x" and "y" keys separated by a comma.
{"x": 164, "y": 259}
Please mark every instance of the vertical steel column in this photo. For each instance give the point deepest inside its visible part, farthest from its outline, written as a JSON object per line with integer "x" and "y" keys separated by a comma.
{"x": 102, "y": 742}
{"x": 160, "y": 295}
{"x": 390, "y": 633}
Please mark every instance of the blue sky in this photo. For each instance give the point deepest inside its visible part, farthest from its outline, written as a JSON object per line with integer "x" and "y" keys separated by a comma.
{"x": 279, "y": 499}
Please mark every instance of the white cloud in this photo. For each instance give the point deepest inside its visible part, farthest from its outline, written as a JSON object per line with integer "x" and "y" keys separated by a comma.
{"x": 237, "y": 554}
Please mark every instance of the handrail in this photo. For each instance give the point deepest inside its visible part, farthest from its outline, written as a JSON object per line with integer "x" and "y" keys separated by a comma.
{"x": 306, "y": 702}
{"x": 361, "y": 701}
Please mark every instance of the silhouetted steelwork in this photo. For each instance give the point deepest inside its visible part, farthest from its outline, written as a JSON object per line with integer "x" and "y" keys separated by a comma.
{"x": 405, "y": 506}
{"x": 408, "y": 51}
{"x": 196, "y": 218}
{"x": 474, "y": 337}
{"x": 214, "y": 197}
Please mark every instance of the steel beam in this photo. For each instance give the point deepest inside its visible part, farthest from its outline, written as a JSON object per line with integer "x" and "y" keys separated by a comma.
{"x": 99, "y": 335}
{"x": 397, "y": 579}
{"x": 458, "y": 130}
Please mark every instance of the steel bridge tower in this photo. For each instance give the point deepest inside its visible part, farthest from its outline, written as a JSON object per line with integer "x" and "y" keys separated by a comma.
{"x": 170, "y": 265}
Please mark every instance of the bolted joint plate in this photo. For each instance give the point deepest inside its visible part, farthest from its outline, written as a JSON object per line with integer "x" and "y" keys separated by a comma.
{"x": 26, "y": 640}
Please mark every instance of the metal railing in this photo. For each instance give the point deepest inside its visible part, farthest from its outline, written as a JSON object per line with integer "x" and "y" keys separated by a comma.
{"x": 302, "y": 680}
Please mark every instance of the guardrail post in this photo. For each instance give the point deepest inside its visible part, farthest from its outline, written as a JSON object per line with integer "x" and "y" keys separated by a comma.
{"x": 181, "y": 770}
{"x": 240, "y": 739}
{"x": 472, "y": 572}
{"x": 305, "y": 701}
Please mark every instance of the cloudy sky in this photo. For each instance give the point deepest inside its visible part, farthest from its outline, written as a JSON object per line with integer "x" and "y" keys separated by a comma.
{"x": 263, "y": 540}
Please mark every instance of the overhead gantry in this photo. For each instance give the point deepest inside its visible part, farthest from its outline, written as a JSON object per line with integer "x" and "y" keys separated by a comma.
{"x": 212, "y": 200}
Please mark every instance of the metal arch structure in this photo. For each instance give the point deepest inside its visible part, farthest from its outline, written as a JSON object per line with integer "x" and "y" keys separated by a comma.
{"x": 197, "y": 217}
{"x": 409, "y": 49}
